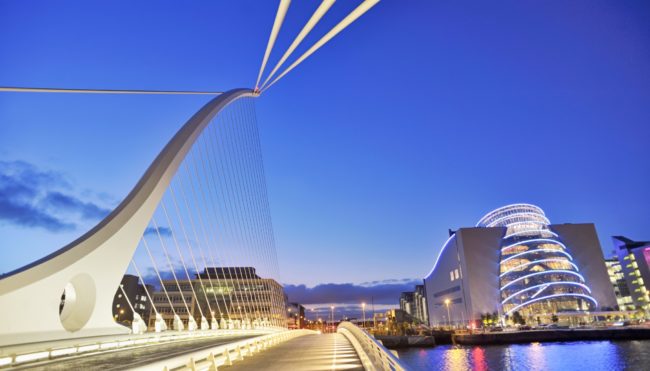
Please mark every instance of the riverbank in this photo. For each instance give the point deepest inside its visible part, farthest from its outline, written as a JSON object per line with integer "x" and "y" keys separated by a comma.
{"x": 554, "y": 335}
{"x": 413, "y": 341}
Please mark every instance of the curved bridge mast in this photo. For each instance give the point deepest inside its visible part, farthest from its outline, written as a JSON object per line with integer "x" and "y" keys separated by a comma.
{"x": 91, "y": 268}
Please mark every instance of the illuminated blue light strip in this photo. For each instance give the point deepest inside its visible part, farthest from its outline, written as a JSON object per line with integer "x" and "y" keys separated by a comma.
{"x": 512, "y": 207}
{"x": 534, "y": 240}
{"x": 519, "y": 215}
{"x": 542, "y": 290}
{"x": 537, "y": 261}
{"x": 537, "y": 250}
{"x": 546, "y": 284}
{"x": 545, "y": 272}
{"x": 551, "y": 297}
{"x": 528, "y": 222}
{"x": 440, "y": 254}
{"x": 531, "y": 230}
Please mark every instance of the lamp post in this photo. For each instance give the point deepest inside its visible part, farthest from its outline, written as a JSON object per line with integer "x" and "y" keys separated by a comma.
{"x": 332, "y": 310}
{"x": 363, "y": 308}
{"x": 447, "y": 301}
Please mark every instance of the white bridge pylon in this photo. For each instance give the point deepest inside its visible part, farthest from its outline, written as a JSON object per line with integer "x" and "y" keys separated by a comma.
{"x": 91, "y": 268}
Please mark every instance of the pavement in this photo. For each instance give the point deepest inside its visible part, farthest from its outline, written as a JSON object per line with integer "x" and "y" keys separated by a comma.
{"x": 309, "y": 352}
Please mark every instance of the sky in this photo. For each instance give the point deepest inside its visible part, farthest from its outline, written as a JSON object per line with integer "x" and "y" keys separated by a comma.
{"x": 420, "y": 117}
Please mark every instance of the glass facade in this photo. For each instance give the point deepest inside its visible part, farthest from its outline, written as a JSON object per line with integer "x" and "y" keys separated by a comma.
{"x": 621, "y": 290}
{"x": 537, "y": 275}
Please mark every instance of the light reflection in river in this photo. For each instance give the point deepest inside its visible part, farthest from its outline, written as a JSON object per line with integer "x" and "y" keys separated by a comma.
{"x": 589, "y": 356}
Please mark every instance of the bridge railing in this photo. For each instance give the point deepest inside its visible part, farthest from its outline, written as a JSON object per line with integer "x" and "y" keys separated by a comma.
{"x": 372, "y": 352}
{"x": 65, "y": 348}
{"x": 226, "y": 354}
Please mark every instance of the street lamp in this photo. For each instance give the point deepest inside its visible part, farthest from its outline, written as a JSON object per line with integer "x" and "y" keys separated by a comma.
{"x": 332, "y": 309}
{"x": 447, "y": 301}
{"x": 363, "y": 308}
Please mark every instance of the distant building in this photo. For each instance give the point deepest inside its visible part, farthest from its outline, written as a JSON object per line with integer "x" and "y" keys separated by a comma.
{"x": 516, "y": 261}
{"x": 407, "y": 302}
{"x": 398, "y": 316}
{"x": 231, "y": 293}
{"x": 420, "y": 301}
{"x": 295, "y": 316}
{"x": 634, "y": 259}
{"x": 619, "y": 283}
{"x": 136, "y": 297}
{"x": 414, "y": 303}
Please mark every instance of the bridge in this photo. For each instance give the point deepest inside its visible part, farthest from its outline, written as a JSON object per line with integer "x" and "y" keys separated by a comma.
{"x": 58, "y": 311}
{"x": 194, "y": 239}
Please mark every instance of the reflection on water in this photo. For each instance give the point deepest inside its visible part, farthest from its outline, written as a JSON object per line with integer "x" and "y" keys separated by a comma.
{"x": 590, "y": 356}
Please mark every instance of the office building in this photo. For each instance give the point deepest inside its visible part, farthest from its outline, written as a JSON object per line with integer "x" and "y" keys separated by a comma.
{"x": 619, "y": 283}
{"x": 235, "y": 296}
{"x": 132, "y": 296}
{"x": 295, "y": 316}
{"x": 634, "y": 259}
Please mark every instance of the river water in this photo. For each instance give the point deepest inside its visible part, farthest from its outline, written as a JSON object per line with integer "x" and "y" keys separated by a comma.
{"x": 579, "y": 355}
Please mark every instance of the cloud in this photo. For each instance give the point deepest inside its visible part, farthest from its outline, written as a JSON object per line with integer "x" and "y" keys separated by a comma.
{"x": 26, "y": 215}
{"x": 34, "y": 198}
{"x": 151, "y": 278}
{"x": 164, "y": 231}
{"x": 384, "y": 292}
{"x": 71, "y": 204}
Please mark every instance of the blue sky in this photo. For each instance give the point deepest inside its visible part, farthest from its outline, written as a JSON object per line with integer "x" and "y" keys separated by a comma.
{"x": 422, "y": 116}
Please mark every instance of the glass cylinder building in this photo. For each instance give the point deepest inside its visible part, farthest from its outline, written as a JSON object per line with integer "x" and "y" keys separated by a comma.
{"x": 536, "y": 271}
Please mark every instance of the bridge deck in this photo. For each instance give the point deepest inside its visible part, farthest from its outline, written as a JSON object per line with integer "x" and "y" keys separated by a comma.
{"x": 309, "y": 352}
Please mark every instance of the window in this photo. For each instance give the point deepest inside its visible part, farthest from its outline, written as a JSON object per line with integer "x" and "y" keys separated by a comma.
{"x": 456, "y": 273}
{"x": 451, "y": 275}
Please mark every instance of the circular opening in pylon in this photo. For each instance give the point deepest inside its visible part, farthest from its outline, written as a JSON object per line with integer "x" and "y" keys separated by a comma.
{"x": 77, "y": 302}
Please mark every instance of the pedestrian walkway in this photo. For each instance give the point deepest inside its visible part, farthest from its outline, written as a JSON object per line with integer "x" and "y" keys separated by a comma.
{"x": 309, "y": 352}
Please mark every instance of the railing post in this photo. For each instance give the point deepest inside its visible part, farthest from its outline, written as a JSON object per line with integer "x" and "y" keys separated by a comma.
{"x": 226, "y": 356}
{"x": 191, "y": 364}
{"x": 213, "y": 362}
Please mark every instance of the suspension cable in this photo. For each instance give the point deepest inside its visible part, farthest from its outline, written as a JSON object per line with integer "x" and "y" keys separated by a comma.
{"x": 180, "y": 255}
{"x": 356, "y": 13}
{"x": 233, "y": 131}
{"x": 189, "y": 247}
{"x": 171, "y": 267}
{"x": 277, "y": 24}
{"x": 153, "y": 305}
{"x": 205, "y": 237}
{"x": 247, "y": 151}
{"x": 228, "y": 218}
{"x": 318, "y": 14}
{"x": 104, "y": 91}
{"x": 155, "y": 268}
